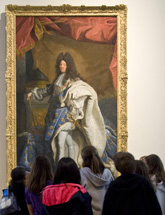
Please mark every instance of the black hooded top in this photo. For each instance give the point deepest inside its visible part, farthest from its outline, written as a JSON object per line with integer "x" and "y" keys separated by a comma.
{"x": 131, "y": 194}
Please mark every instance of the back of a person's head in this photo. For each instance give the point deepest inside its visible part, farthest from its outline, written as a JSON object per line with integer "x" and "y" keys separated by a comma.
{"x": 92, "y": 160}
{"x": 155, "y": 167}
{"x": 141, "y": 169}
{"x": 40, "y": 173}
{"x": 124, "y": 162}
{"x": 143, "y": 158}
{"x": 18, "y": 175}
{"x": 67, "y": 172}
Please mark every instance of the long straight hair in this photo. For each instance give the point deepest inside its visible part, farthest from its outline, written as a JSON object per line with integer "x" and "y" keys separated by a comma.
{"x": 67, "y": 172}
{"x": 92, "y": 160}
{"x": 40, "y": 173}
{"x": 141, "y": 169}
{"x": 155, "y": 167}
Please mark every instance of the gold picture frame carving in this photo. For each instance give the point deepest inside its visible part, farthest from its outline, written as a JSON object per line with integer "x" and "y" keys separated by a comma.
{"x": 12, "y": 11}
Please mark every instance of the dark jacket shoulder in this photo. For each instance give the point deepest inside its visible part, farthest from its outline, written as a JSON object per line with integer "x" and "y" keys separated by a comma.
{"x": 131, "y": 194}
{"x": 73, "y": 199}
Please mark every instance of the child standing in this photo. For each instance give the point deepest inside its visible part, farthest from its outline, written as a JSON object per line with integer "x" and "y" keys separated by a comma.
{"x": 66, "y": 196}
{"x": 39, "y": 177}
{"x": 17, "y": 186}
{"x": 95, "y": 178}
{"x": 157, "y": 176}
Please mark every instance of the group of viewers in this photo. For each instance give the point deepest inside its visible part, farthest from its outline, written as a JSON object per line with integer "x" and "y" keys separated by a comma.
{"x": 139, "y": 189}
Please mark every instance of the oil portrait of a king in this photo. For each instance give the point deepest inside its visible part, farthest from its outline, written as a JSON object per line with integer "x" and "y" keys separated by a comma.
{"x": 66, "y": 87}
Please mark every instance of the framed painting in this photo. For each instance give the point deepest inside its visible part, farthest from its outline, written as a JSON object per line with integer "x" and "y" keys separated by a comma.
{"x": 66, "y": 82}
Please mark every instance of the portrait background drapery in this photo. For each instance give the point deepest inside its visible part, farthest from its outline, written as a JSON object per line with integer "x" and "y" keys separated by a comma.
{"x": 96, "y": 30}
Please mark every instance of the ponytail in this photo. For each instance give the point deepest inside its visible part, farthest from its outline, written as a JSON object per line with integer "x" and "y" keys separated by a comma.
{"x": 92, "y": 160}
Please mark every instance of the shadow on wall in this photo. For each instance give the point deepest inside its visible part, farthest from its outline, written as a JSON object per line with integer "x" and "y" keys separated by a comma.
{"x": 3, "y": 104}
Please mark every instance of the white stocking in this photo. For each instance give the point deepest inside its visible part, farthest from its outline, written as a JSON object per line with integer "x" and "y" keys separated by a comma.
{"x": 71, "y": 146}
{"x": 61, "y": 143}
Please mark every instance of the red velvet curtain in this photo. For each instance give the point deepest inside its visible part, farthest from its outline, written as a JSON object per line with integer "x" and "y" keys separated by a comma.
{"x": 96, "y": 29}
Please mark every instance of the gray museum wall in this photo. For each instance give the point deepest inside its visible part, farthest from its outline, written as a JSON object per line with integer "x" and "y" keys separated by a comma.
{"x": 146, "y": 74}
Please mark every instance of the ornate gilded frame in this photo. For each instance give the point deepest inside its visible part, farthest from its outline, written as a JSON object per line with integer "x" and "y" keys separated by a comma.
{"x": 65, "y": 10}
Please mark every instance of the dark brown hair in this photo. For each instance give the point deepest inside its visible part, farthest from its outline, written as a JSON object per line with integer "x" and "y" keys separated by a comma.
{"x": 92, "y": 160}
{"x": 71, "y": 71}
{"x": 124, "y": 162}
{"x": 40, "y": 174}
{"x": 155, "y": 167}
{"x": 67, "y": 172}
{"x": 141, "y": 169}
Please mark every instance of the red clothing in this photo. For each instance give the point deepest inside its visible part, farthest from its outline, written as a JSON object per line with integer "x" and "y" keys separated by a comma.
{"x": 66, "y": 199}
